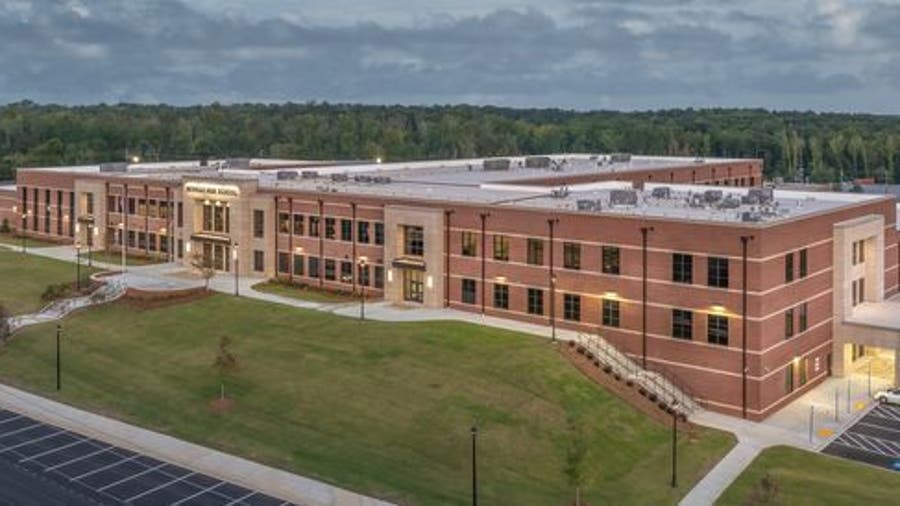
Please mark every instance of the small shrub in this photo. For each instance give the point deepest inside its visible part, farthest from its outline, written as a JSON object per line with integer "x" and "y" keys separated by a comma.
{"x": 589, "y": 355}
{"x": 571, "y": 343}
{"x": 607, "y": 369}
{"x": 56, "y": 291}
{"x": 580, "y": 350}
{"x": 596, "y": 363}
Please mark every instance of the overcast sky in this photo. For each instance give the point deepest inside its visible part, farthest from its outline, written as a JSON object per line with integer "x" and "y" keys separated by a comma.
{"x": 585, "y": 54}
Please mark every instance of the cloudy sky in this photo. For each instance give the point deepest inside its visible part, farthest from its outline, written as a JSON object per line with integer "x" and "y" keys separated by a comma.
{"x": 584, "y": 54}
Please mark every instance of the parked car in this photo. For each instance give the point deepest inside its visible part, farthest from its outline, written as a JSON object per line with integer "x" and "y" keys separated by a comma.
{"x": 890, "y": 396}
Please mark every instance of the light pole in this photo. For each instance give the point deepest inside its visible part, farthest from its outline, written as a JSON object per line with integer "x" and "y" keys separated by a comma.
{"x": 234, "y": 256}
{"x": 674, "y": 448}
{"x": 58, "y": 367}
{"x": 122, "y": 243}
{"x": 78, "y": 265}
{"x": 474, "y": 431}
{"x": 363, "y": 265}
{"x": 92, "y": 232}
{"x": 25, "y": 216}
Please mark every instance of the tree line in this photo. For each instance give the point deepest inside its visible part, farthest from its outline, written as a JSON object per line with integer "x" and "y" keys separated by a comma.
{"x": 811, "y": 146}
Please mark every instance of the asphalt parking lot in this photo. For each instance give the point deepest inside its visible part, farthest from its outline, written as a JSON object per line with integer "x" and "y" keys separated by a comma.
{"x": 873, "y": 439}
{"x": 74, "y": 467}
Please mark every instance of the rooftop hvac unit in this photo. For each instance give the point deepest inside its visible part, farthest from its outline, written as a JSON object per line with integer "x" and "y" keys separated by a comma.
{"x": 496, "y": 164}
{"x": 340, "y": 177}
{"x": 661, "y": 192}
{"x": 560, "y": 193}
{"x": 750, "y": 217}
{"x": 623, "y": 198}
{"x": 620, "y": 157}
{"x": 760, "y": 195}
{"x": 286, "y": 175}
{"x": 537, "y": 162}
{"x": 696, "y": 200}
{"x": 712, "y": 196}
{"x": 309, "y": 174}
{"x": 585, "y": 205}
{"x": 381, "y": 179}
{"x": 113, "y": 167}
{"x": 555, "y": 166}
{"x": 699, "y": 160}
{"x": 730, "y": 202}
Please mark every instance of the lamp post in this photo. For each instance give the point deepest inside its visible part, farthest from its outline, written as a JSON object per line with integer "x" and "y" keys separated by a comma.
{"x": 122, "y": 244}
{"x": 78, "y": 265}
{"x": 363, "y": 265}
{"x": 25, "y": 216}
{"x": 58, "y": 367}
{"x": 234, "y": 257}
{"x": 474, "y": 432}
{"x": 674, "y": 448}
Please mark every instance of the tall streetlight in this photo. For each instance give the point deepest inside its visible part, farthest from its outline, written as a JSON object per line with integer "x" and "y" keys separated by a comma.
{"x": 474, "y": 432}
{"x": 58, "y": 366}
{"x": 122, "y": 243}
{"x": 234, "y": 257}
{"x": 25, "y": 216}
{"x": 674, "y": 448}
{"x": 78, "y": 265}
{"x": 363, "y": 265}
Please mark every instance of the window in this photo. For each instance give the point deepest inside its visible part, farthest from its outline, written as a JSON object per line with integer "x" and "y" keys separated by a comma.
{"x": 299, "y": 261}
{"x": 804, "y": 317}
{"x": 314, "y": 226}
{"x": 789, "y": 378}
{"x": 330, "y": 273}
{"x": 468, "y": 291}
{"x": 259, "y": 223}
{"x": 859, "y": 252}
{"x": 284, "y": 223}
{"x": 89, "y": 201}
{"x": 259, "y": 260}
{"x": 717, "y": 272}
{"x": 804, "y": 366}
{"x": 132, "y": 209}
{"x": 610, "y": 313}
{"x": 314, "y": 267}
{"x": 717, "y": 329}
{"x": 151, "y": 240}
{"x": 789, "y": 324}
{"x": 535, "y": 255}
{"x": 413, "y": 241}
{"x": 682, "y": 268}
{"x": 379, "y": 277}
{"x": 788, "y": 267}
{"x": 682, "y": 324}
{"x": 572, "y": 307}
{"x": 284, "y": 262}
{"x": 329, "y": 228}
{"x": 859, "y": 291}
{"x": 362, "y": 232}
{"x": 379, "y": 233}
{"x": 804, "y": 265}
{"x": 152, "y": 209}
{"x": 610, "y": 260}
{"x": 346, "y": 272}
{"x": 535, "y": 301}
{"x": 362, "y": 274}
{"x": 571, "y": 255}
{"x": 142, "y": 207}
{"x": 298, "y": 224}
{"x": 180, "y": 214}
{"x": 346, "y": 230}
{"x": 501, "y": 296}
{"x": 501, "y": 248}
{"x": 469, "y": 244}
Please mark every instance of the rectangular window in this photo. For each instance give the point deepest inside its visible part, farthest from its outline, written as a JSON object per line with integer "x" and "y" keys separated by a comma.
{"x": 413, "y": 241}
{"x": 298, "y": 224}
{"x": 330, "y": 268}
{"x": 152, "y": 208}
{"x": 717, "y": 272}
{"x": 89, "y": 203}
{"x": 804, "y": 367}
{"x": 859, "y": 252}
{"x": 804, "y": 265}
{"x": 151, "y": 241}
{"x": 329, "y": 228}
{"x": 346, "y": 230}
{"x": 132, "y": 209}
{"x": 314, "y": 267}
{"x": 610, "y": 260}
{"x": 259, "y": 223}
{"x": 142, "y": 207}
{"x": 362, "y": 274}
{"x": 180, "y": 214}
{"x": 571, "y": 255}
{"x": 682, "y": 324}
{"x": 535, "y": 301}
{"x": 379, "y": 277}
{"x": 469, "y": 244}
{"x": 379, "y": 233}
{"x": 180, "y": 248}
{"x": 314, "y": 226}
{"x": 299, "y": 263}
{"x": 788, "y": 267}
{"x": 501, "y": 296}
{"x": 535, "y": 254}
{"x": 789, "y": 378}
{"x": 804, "y": 317}
{"x": 347, "y": 272}
{"x": 717, "y": 329}
{"x": 259, "y": 260}
{"x": 468, "y": 291}
{"x": 284, "y": 223}
{"x": 362, "y": 232}
{"x": 572, "y": 307}
{"x": 610, "y": 313}
{"x": 284, "y": 262}
{"x": 501, "y": 248}
{"x": 682, "y": 268}
{"x": 789, "y": 324}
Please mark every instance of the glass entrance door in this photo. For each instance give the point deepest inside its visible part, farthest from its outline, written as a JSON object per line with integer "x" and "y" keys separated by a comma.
{"x": 413, "y": 286}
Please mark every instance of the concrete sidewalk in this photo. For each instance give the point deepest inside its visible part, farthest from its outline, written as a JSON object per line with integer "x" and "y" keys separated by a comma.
{"x": 241, "y": 471}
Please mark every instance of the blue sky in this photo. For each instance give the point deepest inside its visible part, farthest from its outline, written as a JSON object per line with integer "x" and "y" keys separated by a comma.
{"x": 827, "y": 55}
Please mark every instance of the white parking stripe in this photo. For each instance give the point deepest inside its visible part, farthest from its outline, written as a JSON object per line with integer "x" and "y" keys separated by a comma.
{"x": 882, "y": 446}
{"x": 26, "y": 443}
{"x": 23, "y": 429}
{"x": 104, "y": 468}
{"x": 880, "y": 427}
{"x": 158, "y": 487}
{"x": 205, "y": 490}
{"x": 239, "y": 500}
{"x": 860, "y": 443}
{"x": 129, "y": 478}
{"x": 11, "y": 419}
{"x": 76, "y": 459}
{"x": 53, "y": 450}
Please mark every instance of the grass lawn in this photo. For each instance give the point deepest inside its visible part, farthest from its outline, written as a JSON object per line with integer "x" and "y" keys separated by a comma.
{"x": 115, "y": 258}
{"x": 30, "y": 243}
{"x": 24, "y": 277}
{"x": 804, "y": 478}
{"x": 380, "y": 408}
{"x": 307, "y": 293}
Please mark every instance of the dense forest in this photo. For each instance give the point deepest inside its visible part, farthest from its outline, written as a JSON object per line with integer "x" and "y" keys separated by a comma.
{"x": 795, "y": 145}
